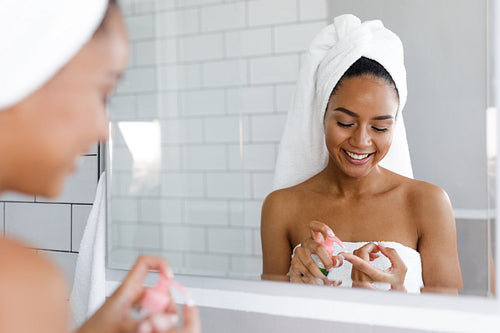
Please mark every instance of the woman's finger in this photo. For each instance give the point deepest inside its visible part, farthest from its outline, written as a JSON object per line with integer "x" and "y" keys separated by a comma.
{"x": 143, "y": 265}
{"x": 296, "y": 271}
{"x": 312, "y": 247}
{"x": 162, "y": 322}
{"x": 131, "y": 287}
{"x": 366, "y": 250}
{"x": 316, "y": 226}
{"x": 363, "y": 285}
{"x": 191, "y": 320}
{"x": 337, "y": 261}
{"x": 393, "y": 256}
{"x": 365, "y": 267}
{"x": 312, "y": 268}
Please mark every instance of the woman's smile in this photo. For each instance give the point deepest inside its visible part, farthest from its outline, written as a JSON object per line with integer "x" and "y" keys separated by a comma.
{"x": 357, "y": 158}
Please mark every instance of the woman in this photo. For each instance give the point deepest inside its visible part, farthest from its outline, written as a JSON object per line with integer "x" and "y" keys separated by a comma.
{"x": 345, "y": 127}
{"x": 58, "y": 65}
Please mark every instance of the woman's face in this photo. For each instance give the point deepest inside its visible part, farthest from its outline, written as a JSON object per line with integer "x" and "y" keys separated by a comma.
{"x": 359, "y": 124}
{"x": 50, "y": 129}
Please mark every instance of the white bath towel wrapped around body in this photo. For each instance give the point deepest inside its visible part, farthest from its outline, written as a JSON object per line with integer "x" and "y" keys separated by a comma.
{"x": 302, "y": 152}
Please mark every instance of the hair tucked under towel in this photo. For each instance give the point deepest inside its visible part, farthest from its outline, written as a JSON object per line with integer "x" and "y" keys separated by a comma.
{"x": 365, "y": 66}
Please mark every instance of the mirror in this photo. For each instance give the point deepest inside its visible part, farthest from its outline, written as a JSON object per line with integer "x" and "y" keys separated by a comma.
{"x": 197, "y": 120}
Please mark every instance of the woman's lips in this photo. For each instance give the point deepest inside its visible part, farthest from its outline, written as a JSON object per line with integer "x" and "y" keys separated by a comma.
{"x": 357, "y": 158}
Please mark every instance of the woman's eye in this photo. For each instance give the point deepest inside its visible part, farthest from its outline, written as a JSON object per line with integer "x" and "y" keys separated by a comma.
{"x": 377, "y": 129}
{"x": 343, "y": 124}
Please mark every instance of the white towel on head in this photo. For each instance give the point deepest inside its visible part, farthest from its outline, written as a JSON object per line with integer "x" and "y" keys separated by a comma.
{"x": 89, "y": 285}
{"x": 38, "y": 37}
{"x": 302, "y": 152}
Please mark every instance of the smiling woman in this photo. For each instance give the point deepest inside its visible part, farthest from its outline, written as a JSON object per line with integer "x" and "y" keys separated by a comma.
{"x": 356, "y": 197}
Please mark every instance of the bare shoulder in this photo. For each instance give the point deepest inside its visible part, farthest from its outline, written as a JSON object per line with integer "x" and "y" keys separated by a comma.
{"x": 429, "y": 204}
{"x": 30, "y": 287}
{"x": 282, "y": 204}
{"x": 422, "y": 193}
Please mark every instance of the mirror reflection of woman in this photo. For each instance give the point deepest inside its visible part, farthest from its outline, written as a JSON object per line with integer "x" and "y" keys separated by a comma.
{"x": 352, "y": 117}
{"x": 60, "y": 60}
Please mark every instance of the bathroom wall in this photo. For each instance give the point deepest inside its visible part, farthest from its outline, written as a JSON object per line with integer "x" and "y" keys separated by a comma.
{"x": 54, "y": 227}
{"x": 219, "y": 76}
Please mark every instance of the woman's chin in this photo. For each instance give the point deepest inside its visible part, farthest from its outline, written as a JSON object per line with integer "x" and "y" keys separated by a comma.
{"x": 49, "y": 190}
{"x": 53, "y": 190}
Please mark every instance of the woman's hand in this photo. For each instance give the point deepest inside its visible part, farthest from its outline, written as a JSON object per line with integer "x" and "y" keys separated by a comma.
{"x": 364, "y": 274}
{"x": 115, "y": 314}
{"x": 303, "y": 269}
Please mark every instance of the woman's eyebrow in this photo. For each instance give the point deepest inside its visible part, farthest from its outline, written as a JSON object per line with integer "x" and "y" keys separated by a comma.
{"x": 383, "y": 117}
{"x": 355, "y": 115}
{"x": 350, "y": 113}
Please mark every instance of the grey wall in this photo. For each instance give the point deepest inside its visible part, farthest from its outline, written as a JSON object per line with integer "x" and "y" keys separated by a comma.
{"x": 472, "y": 236}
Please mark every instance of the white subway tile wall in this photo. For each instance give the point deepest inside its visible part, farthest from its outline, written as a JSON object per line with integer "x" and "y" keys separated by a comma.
{"x": 221, "y": 76}
{"x": 79, "y": 216}
{"x": 40, "y": 225}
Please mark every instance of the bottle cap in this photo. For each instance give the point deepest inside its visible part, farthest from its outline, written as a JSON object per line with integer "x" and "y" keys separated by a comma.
{"x": 329, "y": 244}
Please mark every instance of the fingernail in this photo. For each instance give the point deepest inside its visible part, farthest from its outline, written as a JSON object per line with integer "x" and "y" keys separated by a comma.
{"x": 329, "y": 232}
{"x": 190, "y": 302}
{"x": 145, "y": 327}
{"x": 164, "y": 322}
{"x": 170, "y": 273}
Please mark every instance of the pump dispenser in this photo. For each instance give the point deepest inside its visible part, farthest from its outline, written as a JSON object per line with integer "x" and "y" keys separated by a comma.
{"x": 157, "y": 299}
{"x": 329, "y": 245}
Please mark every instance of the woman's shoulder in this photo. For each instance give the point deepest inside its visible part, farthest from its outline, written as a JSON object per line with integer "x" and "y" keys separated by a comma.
{"x": 287, "y": 197}
{"x": 424, "y": 192}
{"x": 427, "y": 203}
{"x": 414, "y": 189}
{"x": 20, "y": 265}
{"x": 282, "y": 206}
{"x": 31, "y": 287}
{"x": 421, "y": 196}
{"x": 281, "y": 198}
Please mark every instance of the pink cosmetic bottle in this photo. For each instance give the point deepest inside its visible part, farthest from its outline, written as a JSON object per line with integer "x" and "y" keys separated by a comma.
{"x": 157, "y": 299}
{"x": 329, "y": 245}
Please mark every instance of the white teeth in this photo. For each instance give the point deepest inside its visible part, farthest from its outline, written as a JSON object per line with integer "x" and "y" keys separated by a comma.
{"x": 356, "y": 156}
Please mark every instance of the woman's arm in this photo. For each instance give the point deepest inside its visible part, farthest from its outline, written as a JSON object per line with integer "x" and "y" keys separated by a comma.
{"x": 278, "y": 214}
{"x": 276, "y": 248}
{"x": 437, "y": 239}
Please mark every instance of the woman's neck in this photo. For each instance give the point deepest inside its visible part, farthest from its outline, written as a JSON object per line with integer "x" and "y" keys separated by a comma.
{"x": 338, "y": 183}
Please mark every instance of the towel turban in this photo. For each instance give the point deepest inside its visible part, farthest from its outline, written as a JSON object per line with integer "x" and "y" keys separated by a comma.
{"x": 302, "y": 152}
{"x": 38, "y": 37}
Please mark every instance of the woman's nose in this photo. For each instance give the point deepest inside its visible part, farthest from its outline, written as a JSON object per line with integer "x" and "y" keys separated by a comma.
{"x": 361, "y": 138}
